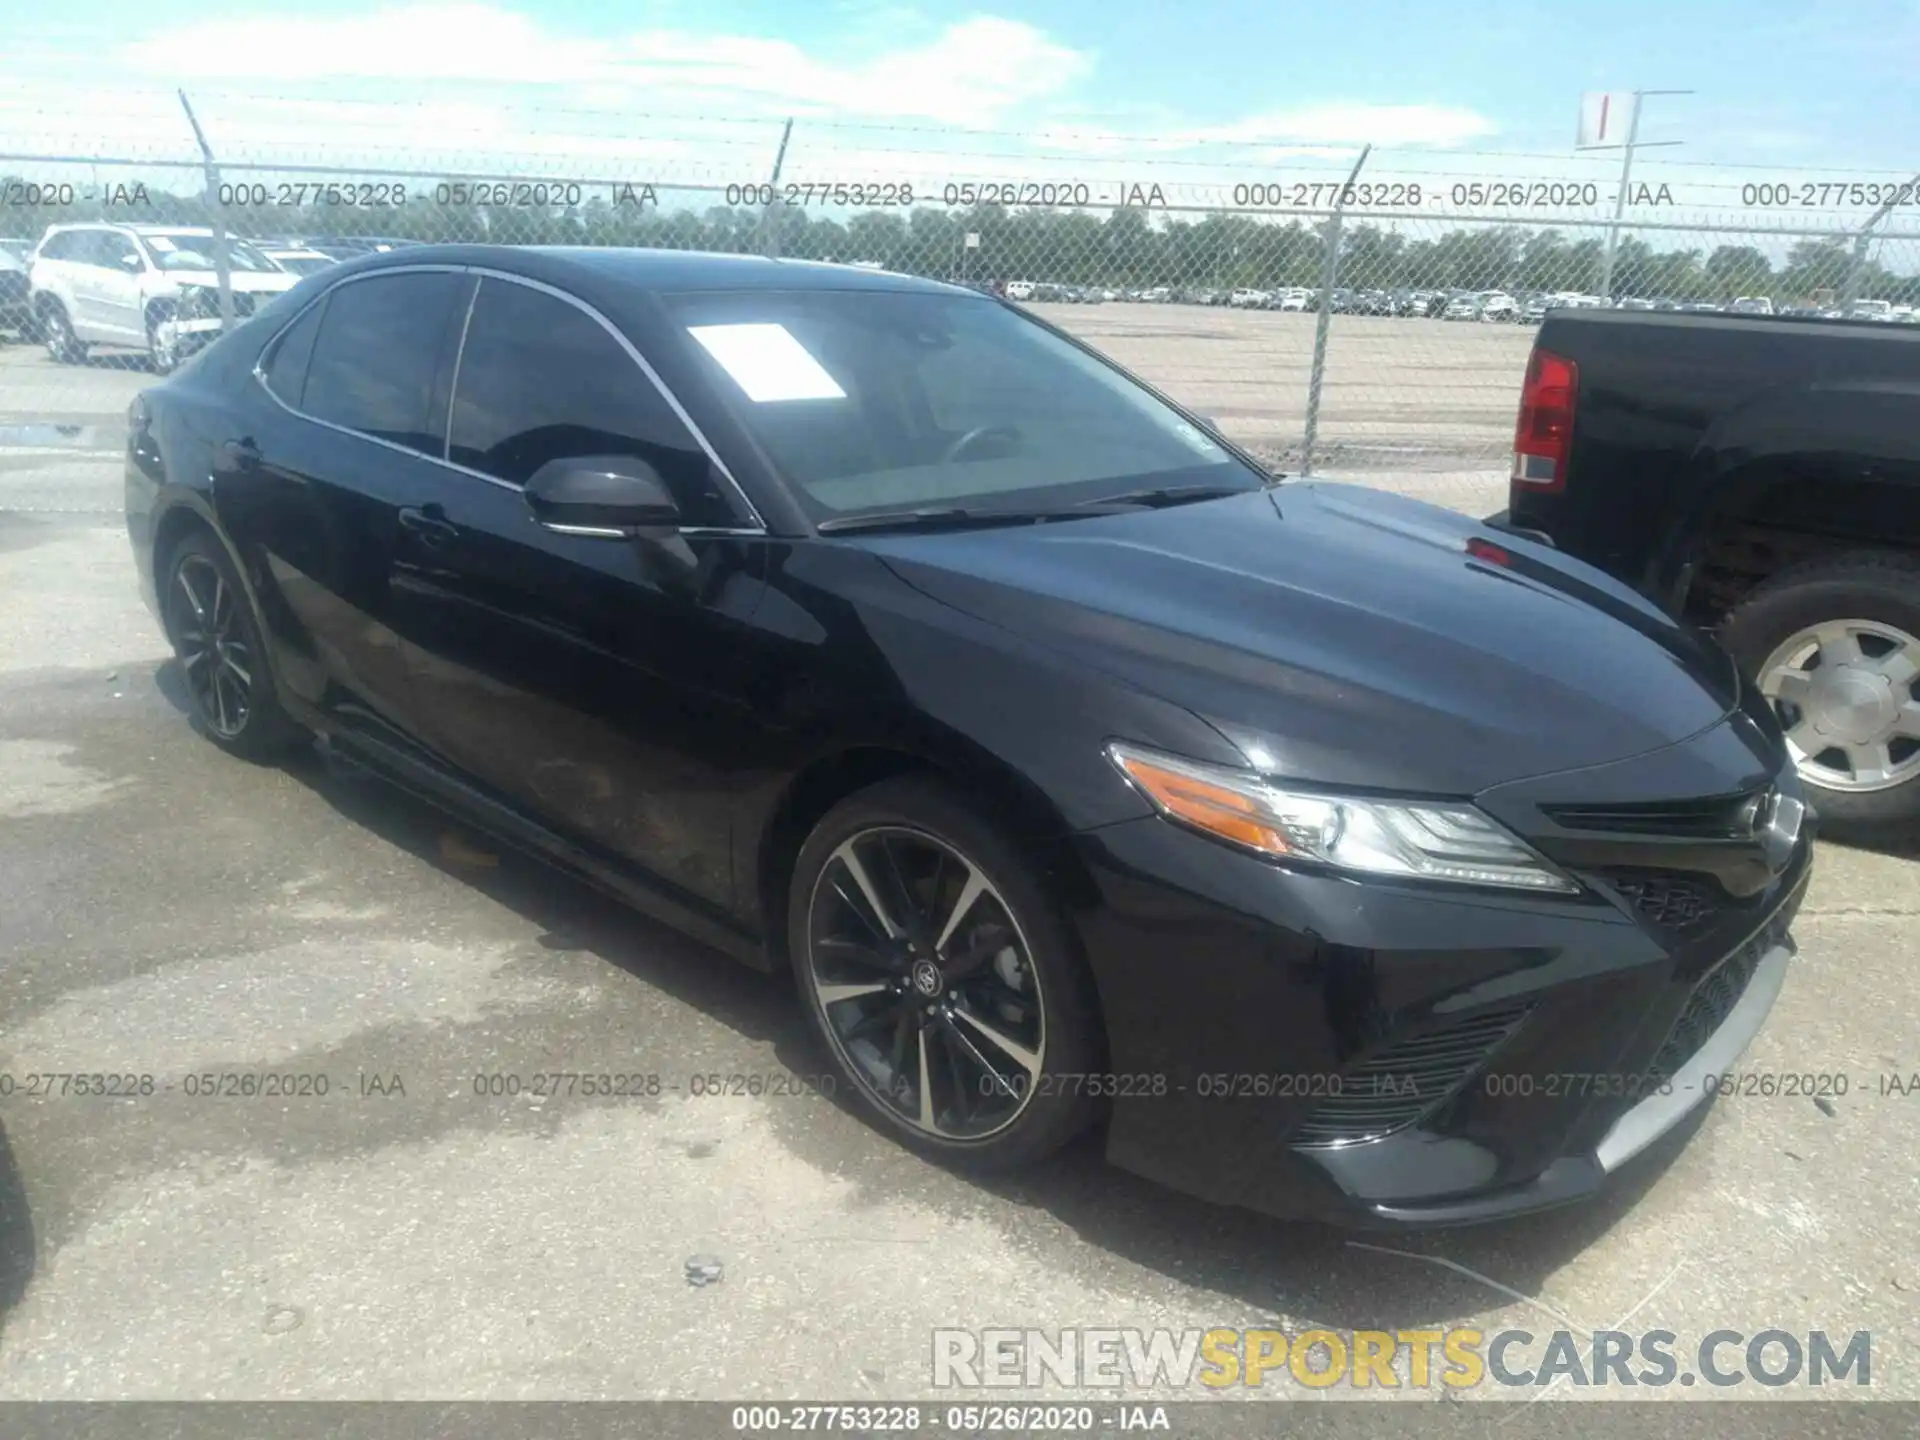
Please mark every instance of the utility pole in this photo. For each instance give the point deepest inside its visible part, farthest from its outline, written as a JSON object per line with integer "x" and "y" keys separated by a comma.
{"x": 222, "y": 266}
{"x": 1850, "y": 292}
{"x": 1634, "y": 142}
{"x": 1329, "y": 277}
{"x": 769, "y": 218}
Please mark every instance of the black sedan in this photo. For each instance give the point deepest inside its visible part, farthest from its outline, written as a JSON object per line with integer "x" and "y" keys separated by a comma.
{"x": 1335, "y": 854}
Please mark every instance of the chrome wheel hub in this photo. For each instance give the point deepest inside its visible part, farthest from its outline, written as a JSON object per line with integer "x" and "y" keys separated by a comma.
{"x": 1845, "y": 694}
{"x": 926, "y": 983}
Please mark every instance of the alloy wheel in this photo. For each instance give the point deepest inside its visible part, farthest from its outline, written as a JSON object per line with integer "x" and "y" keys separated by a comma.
{"x": 204, "y": 618}
{"x": 1845, "y": 694}
{"x": 59, "y": 335}
{"x": 927, "y": 983}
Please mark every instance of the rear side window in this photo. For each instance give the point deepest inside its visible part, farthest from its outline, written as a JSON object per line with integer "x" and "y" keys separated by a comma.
{"x": 61, "y": 246}
{"x": 286, "y": 368}
{"x": 376, "y": 357}
{"x": 542, "y": 380}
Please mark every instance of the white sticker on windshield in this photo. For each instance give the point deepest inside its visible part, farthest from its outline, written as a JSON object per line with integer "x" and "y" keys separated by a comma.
{"x": 160, "y": 243}
{"x": 768, "y": 362}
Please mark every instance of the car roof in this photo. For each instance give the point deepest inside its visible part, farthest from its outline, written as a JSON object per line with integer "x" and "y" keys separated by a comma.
{"x": 658, "y": 270}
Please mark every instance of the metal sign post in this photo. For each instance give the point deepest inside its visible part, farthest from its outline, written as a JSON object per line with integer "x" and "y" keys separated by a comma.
{"x": 1633, "y": 142}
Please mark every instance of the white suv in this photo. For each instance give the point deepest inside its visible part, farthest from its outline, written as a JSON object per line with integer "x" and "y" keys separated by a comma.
{"x": 152, "y": 287}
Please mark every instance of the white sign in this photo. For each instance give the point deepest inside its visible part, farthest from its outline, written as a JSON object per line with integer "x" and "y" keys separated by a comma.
{"x": 1606, "y": 118}
{"x": 973, "y": 240}
{"x": 768, "y": 362}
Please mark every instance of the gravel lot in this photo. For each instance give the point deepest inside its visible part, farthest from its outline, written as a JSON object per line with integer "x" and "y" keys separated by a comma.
{"x": 172, "y": 911}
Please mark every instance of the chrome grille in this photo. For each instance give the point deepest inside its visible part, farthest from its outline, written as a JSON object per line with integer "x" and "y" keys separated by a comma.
{"x": 1404, "y": 1082}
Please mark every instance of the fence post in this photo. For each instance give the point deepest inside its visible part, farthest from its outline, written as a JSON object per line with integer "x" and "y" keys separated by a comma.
{"x": 1850, "y": 289}
{"x": 222, "y": 267}
{"x": 1329, "y": 276}
{"x": 769, "y": 228}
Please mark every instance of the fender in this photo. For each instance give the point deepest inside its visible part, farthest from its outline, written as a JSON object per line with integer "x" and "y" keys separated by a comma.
{"x": 1856, "y": 444}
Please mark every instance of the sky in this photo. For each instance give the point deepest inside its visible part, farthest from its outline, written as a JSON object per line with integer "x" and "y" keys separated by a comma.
{"x": 1200, "y": 95}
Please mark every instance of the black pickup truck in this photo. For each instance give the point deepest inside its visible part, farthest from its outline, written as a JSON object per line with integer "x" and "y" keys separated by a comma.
{"x": 1760, "y": 477}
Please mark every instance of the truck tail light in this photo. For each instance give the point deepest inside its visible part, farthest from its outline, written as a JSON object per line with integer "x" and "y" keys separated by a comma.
{"x": 1544, "y": 432}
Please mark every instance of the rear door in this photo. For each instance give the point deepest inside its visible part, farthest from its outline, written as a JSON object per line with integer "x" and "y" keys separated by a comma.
{"x": 595, "y": 682}
{"x": 351, "y": 429}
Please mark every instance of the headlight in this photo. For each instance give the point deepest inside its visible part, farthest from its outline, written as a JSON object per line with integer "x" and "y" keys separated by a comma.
{"x": 1410, "y": 839}
{"x": 197, "y": 302}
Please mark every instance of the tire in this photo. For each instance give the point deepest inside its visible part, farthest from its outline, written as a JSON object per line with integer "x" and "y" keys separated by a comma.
{"x": 1868, "y": 605}
{"x": 57, "y": 332}
{"x": 229, "y": 686}
{"x": 1011, "y": 969}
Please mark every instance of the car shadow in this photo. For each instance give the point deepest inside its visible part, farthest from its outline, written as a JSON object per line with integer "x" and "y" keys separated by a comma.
{"x": 1307, "y": 1272}
{"x": 17, "y": 1241}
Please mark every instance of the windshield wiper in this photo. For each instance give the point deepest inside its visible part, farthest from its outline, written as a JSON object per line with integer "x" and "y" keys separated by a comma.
{"x": 1170, "y": 495}
{"x": 947, "y": 517}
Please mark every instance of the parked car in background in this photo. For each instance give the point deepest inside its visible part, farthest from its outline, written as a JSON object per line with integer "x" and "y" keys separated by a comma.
{"x": 1297, "y": 300}
{"x": 1535, "y": 308}
{"x": 1463, "y": 307}
{"x": 1248, "y": 299}
{"x": 1759, "y": 476}
{"x": 16, "y": 308}
{"x": 150, "y": 287}
{"x": 1633, "y": 302}
{"x": 891, "y": 641}
{"x": 299, "y": 260}
{"x": 1019, "y": 290}
{"x": 1870, "y": 310}
{"x": 1752, "y": 305}
{"x": 1499, "y": 307}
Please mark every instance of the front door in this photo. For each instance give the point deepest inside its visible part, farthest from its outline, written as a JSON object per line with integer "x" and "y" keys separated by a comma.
{"x": 598, "y": 683}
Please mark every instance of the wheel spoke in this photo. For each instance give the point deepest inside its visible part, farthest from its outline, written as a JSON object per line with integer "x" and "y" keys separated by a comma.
{"x": 195, "y": 656}
{"x": 1901, "y": 665}
{"x": 972, "y": 890}
{"x": 1002, "y": 1084}
{"x": 1907, "y": 722}
{"x": 222, "y": 612}
{"x": 1870, "y": 761}
{"x": 850, "y": 861}
{"x": 238, "y": 671}
{"x": 912, "y": 915}
{"x": 1027, "y": 1060}
{"x": 193, "y": 598}
{"x": 926, "y": 1086}
{"x": 993, "y": 939}
{"x": 220, "y": 700}
{"x": 1790, "y": 686}
{"x": 1838, "y": 645}
{"x": 871, "y": 1024}
{"x": 835, "y": 994}
{"x": 1805, "y": 741}
{"x": 965, "y": 1102}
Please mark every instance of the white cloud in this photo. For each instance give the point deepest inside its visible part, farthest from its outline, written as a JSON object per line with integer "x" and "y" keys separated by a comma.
{"x": 970, "y": 73}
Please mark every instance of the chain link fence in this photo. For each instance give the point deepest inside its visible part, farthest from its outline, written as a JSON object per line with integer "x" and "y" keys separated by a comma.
{"x": 1420, "y": 277}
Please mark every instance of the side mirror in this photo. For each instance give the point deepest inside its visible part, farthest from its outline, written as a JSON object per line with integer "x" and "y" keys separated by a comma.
{"x": 131, "y": 264}
{"x": 611, "y": 495}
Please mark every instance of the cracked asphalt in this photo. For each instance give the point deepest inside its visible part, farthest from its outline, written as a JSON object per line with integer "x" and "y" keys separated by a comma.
{"x": 166, "y": 911}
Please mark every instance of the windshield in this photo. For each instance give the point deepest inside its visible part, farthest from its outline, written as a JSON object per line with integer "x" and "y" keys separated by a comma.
{"x": 872, "y": 401}
{"x": 187, "y": 251}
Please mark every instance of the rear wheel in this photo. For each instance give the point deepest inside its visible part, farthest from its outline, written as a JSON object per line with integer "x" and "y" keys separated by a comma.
{"x": 1835, "y": 647}
{"x": 942, "y": 978}
{"x": 57, "y": 331}
{"x": 163, "y": 346}
{"x": 211, "y": 626}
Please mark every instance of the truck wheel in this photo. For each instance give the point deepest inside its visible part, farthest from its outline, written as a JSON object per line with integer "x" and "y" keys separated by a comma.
{"x": 1835, "y": 646}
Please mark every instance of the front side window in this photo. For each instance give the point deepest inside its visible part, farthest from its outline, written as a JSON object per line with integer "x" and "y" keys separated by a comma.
{"x": 540, "y": 380}
{"x": 377, "y": 355}
{"x": 877, "y": 400}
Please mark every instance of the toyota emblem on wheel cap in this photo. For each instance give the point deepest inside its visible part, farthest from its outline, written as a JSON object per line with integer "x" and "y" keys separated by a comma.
{"x": 926, "y": 977}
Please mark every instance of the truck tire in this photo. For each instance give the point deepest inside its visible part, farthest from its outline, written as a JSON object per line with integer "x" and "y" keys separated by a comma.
{"x": 1835, "y": 645}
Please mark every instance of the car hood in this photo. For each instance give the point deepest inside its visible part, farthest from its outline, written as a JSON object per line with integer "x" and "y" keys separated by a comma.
{"x": 1346, "y": 633}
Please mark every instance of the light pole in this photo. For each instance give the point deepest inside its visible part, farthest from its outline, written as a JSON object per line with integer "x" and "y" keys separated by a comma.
{"x": 1851, "y": 290}
{"x": 1634, "y": 142}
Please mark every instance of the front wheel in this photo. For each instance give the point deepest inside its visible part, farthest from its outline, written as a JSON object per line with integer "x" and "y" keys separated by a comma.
{"x": 1834, "y": 645}
{"x": 942, "y": 978}
{"x": 163, "y": 346}
{"x": 57, "y": 331}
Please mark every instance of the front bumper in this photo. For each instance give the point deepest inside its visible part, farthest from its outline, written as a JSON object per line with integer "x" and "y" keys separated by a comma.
{"x": 1245, "y": 1006}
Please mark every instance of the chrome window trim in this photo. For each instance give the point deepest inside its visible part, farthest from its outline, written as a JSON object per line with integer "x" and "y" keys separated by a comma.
{"x": 759, "y": 525}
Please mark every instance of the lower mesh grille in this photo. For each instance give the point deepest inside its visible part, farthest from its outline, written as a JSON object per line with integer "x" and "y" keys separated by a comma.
{"x": 1404, "y": 1082}
{"x": 1674, "y": 902}
{"x": 1706, "y": 1011}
